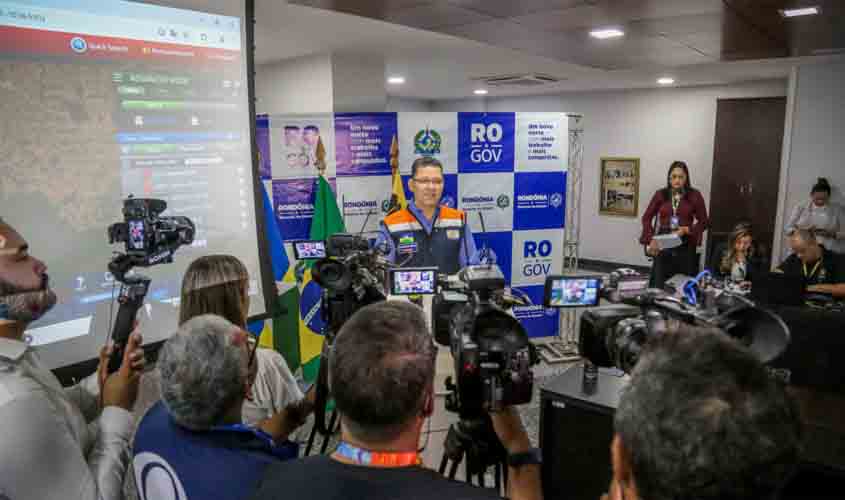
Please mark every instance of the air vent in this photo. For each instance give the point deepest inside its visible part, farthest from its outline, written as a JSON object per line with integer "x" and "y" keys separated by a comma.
{"x": 523, "y": 80}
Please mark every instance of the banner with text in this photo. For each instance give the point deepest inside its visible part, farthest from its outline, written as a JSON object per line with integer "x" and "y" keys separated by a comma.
{"x": 508, "y": 169}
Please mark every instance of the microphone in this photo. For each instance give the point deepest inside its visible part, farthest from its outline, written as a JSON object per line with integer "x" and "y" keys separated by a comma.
{"x": 484, "y": 255}
{"x": 366, "y": 219}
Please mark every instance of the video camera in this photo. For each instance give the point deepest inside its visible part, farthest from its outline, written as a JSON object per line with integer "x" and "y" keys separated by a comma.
{"x": 150, "y": 240}
{"x": 491, "y": 351}
{"x": 349, "y": 271}
{"x": 352, "y": 276}
{"x": 614, "y": 335}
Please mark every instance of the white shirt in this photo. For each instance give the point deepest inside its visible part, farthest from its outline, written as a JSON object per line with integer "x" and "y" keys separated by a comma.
{"x": 830, "y": 217}
{"x": 273, "y": 390}
{"x": 738, "y": 271}
{"x": 53, "y": 443}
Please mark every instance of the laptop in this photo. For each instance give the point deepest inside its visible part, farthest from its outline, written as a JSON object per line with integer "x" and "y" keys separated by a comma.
{"x": 779, "y": 289}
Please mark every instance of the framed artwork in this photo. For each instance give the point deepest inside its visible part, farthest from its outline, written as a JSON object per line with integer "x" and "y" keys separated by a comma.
{"x": 619, "y": 187}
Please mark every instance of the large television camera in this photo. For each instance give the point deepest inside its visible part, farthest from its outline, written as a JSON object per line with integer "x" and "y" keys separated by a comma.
{"x": 491, "y": 352}
{"x": 490, "y": 349}
{"x": 614, "y": 335}
{"x": 150, "y": 240}
{"x": 352, "y": 276}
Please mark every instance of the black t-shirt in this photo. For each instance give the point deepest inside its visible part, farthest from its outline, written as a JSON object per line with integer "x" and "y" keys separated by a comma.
{"x": 320, "y": 477}
{"x": 829, "y": 271}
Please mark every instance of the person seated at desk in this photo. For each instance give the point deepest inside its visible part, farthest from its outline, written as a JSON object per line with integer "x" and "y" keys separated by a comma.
{"x": 426, "y": 233}
{"x": 192, "y": 443}
{"x": 737, "y": 259}
{"x": 823, "y": 271}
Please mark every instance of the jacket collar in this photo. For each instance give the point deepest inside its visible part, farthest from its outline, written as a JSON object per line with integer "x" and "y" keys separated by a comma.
{"x": 12, "y": 350}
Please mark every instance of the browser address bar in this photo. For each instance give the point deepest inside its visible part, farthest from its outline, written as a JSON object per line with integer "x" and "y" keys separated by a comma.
{"x": 68, "y": 21}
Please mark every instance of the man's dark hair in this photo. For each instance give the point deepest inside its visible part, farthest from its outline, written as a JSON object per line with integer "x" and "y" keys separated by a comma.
{"x": 425, "y": 161}
{"x": 381, "y": 369}
{"x": 703, "y": 419}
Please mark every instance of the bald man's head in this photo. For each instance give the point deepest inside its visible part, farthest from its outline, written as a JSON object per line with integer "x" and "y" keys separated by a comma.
{"x": 805, "y": 246}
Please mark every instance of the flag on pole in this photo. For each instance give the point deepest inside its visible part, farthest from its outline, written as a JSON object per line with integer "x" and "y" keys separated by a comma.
{"x": 280, "y": 334}
{"x": 326, "y": 222}
{"x": 397, "y": 197}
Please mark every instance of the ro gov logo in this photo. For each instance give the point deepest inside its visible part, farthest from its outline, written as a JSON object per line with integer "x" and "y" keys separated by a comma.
{"x": 538, "y": 250}
{"x": 485, "y": 142}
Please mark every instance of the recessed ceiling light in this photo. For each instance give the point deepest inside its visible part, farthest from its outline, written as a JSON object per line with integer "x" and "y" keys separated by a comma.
{"x": 803, "y": 11}
{"x": 666, "y": 80}
{"x": 479, "y": 91}
{"x": 607, "y": 33}
{"x": 396, "y": 80}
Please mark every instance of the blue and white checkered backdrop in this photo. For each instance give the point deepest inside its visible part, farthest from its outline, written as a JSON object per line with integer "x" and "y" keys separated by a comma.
{"x": 510, "y": 167}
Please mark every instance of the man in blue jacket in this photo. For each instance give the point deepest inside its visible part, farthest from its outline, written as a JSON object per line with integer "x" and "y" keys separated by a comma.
{"x": 192, "y": 443}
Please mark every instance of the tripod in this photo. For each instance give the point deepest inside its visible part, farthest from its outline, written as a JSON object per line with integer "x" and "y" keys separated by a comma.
{"x": 476, "y": 441}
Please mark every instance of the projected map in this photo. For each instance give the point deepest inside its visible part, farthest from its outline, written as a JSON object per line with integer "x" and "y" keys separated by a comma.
{"x": 103, "y": 100}
{"x": 72, "y": 107}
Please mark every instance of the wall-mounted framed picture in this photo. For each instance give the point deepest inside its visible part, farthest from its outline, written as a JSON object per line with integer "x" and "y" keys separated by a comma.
{"x": 619, "y": 186}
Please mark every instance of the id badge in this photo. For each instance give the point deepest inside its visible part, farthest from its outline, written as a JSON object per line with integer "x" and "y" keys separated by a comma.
{"x": 674, "y": 222}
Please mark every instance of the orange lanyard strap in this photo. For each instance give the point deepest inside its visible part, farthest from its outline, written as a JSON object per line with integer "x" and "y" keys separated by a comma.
{"x": 378, "y": 458}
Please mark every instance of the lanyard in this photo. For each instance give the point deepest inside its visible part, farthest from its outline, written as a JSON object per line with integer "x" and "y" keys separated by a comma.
{"x": 813, "y": 272}
{"x": 676, "y": 201}
{"x": 378, "y": 458}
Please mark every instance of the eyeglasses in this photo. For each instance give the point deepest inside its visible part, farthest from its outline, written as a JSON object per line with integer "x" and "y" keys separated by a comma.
{"x": 429, "y": 182}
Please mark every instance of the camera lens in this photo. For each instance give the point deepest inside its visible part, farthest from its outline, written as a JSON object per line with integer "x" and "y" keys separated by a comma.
{"x": 332, "y": 275}
{"x": 626, "y": 343}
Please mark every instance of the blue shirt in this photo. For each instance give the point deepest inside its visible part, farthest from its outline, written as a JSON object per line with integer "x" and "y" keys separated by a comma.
{"x": 225, "y": 462}
{"x": 475, "y": 255}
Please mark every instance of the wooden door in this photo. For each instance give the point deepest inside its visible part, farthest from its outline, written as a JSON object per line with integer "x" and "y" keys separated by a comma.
{"x": 746, "y": 168}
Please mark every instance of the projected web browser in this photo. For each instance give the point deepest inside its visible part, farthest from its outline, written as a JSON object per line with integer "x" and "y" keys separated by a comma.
{"x": 103, "y": 99}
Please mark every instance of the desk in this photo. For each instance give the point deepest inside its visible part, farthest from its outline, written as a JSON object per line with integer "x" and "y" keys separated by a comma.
{"x": 816, "y": 354}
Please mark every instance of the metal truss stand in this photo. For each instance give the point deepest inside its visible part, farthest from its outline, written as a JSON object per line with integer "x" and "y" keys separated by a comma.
{"x": 568, "y": 345}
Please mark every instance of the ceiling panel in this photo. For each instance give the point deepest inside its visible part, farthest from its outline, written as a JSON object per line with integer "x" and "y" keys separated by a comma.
{"x": 436, "y": 16}
{"x": 511, "y": 8}
{"x": 676, "y": 32}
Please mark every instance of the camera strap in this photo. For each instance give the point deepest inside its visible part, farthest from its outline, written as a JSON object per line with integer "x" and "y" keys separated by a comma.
{"x": 378, "y": 458}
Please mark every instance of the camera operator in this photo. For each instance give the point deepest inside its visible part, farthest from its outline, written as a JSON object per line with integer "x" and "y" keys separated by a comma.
{"x": 702, "y": 419}
{"x": 56, "y": 443}
{"x": 426, "y": 233}
{"x": 381, "y": 372}
{"x": 195, "y": 432}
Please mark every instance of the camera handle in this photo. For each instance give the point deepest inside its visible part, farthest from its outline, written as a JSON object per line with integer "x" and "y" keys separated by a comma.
{"x": 132, "y": 294}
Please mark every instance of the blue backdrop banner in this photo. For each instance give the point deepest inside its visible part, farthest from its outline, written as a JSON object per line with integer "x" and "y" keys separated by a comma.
{"x": 508, "y": 169}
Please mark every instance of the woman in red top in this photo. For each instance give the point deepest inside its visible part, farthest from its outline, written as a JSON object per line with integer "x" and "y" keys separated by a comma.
{"x": 678, "y": 208}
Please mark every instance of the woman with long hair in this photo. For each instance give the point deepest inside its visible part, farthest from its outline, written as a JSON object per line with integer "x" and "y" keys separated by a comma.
{"x": 219, "y": 284}
{"x": 737, "y": 260}
{"x": 677, "y": 208}
{"x": 823, "y": 218}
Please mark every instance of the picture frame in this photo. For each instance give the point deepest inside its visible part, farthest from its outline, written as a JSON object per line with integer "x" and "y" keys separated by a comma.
{"x": 619, "y": 186}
